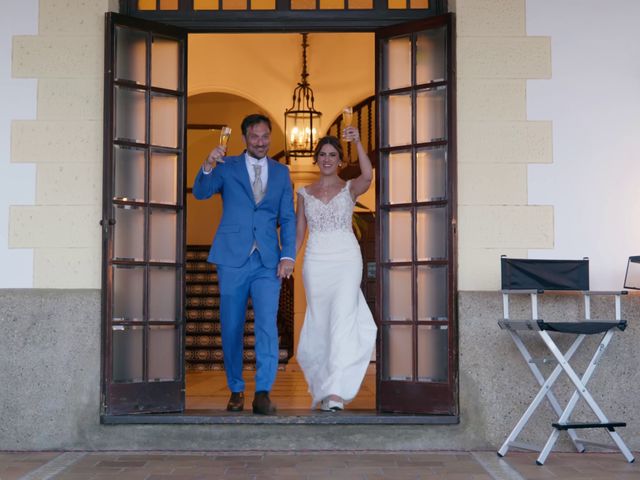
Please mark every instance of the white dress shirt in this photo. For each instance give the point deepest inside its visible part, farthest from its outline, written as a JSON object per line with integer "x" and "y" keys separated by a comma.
{"x": 264, "y": 171}
{"x": 250, "y": 162}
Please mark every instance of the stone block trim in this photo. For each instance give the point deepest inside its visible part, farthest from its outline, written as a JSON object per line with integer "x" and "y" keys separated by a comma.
{"x": 504, "y": 142}
{"x": 58, "y": 57}
{"x": 74, "y": 17}
{"x": 43, "y": 141}
{"x": 505, "y": 57}
{"x": 65, "y": 142}
{"x": 492, "y": 184}
{"x": 70, "y": 99}
{"x": 490, "y": 18}
{"x": 68, "y": 267}
{"x": 522, "y": 227}
{"x": 491, "y": 100}
{"x": 480, "y": 267}
{"x": 496, "y": 142}
{"x": 69, "y": 184}
{"x": 54, "y": 227}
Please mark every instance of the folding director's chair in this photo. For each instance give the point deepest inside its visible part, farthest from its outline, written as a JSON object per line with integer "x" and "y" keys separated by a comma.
{"x": 534, "y": 277}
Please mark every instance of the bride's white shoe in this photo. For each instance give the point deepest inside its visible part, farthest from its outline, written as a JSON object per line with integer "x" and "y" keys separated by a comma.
{"x": 327, "y": 405}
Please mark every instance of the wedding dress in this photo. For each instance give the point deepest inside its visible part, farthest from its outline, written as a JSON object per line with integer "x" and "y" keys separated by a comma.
{"x": 338, "y": 335}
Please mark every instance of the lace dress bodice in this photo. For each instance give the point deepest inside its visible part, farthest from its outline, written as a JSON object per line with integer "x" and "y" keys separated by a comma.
{"x": 328, "y": 219}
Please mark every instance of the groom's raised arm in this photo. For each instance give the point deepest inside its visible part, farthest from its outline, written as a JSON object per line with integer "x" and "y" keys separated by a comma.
{"x": 207, "y": 184}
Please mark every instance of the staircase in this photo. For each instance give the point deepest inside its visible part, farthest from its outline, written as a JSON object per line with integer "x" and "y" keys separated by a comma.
{"x": 203, "y": 343}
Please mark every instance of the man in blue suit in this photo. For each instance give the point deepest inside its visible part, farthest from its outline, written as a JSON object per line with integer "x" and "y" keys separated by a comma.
{"x": 251, "y": 258}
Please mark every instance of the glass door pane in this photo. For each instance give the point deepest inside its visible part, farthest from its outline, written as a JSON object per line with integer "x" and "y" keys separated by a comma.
{"x": 131, "y": 54}
{"x": 397, "y": 62}
{"x": 431, "y": 50}
{"x": 431, "y": 120}
{"x": 165, "y": 63}
{"x": 396, "y": 111}
{"x": 417, "y": 206}
{"x": 131, "y": 111}
{"x": 143, "y": 217}
{"x": 400, "y": 364}
{"x": 431, "y": 174}
{"x": 129, "y": 173}
{"x": 398, "y": 168}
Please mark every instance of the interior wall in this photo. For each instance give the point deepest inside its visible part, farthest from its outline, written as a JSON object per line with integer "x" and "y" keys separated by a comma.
{"x": 265, "y": 68}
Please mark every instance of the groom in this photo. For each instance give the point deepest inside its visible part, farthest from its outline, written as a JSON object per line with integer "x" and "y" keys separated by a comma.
{"x": 251, "y": 260}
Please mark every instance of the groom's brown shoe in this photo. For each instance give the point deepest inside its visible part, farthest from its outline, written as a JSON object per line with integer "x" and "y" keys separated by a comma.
{"x": 262, "y": 404}
{"x": 236, "y": 402}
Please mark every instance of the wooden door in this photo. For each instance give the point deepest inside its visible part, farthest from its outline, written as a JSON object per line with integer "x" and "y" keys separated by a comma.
{"x": 415, "y": 94}
{"x": 143, "y": 216}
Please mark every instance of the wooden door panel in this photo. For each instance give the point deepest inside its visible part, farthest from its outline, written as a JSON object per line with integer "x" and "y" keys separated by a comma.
{"x": 416, "y": 252}
{"x": 143, "y": 217}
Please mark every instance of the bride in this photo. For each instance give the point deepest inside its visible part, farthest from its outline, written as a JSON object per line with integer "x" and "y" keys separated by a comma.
{"x": 338, "y": 335}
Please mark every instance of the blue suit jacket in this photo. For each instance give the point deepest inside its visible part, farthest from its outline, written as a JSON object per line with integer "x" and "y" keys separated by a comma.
{"x": 243, "y": 220}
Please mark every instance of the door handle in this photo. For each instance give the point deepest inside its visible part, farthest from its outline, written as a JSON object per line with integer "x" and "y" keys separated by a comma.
{"x": 105, "y": 224}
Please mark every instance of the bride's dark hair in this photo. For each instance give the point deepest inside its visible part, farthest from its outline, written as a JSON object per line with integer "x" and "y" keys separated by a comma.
{"x": 328, "y": 140}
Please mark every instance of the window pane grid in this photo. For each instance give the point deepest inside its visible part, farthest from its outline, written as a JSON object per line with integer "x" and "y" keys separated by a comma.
{"x": 414, "y": 203}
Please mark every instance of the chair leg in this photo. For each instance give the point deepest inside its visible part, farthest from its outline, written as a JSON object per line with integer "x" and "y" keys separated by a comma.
{"x": 544, "y": 453}
{"x": 582, "y": 391}
{"x": 545, "y": 391}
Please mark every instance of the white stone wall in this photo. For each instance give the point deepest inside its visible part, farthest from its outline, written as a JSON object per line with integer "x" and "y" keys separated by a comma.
{"x": 593, "y": 101}
{"x": 496, "y": 141}
{"x": 64, "y": 142}
{"x": 548, "y": 104}
{"x": 18, "y": 100}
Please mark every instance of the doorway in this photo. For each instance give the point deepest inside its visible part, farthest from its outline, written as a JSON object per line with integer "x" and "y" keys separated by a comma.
{"x": 144, "y": 221}
{"x": 337, "y": 81}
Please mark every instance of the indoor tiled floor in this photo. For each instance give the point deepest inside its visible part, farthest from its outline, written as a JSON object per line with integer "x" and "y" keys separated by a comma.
{"x": 310, "y": 465}
{"x": 208, "y": 391}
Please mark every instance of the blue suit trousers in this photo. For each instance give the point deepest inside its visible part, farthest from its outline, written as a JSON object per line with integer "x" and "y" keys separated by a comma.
{"x": 236, "y": 285}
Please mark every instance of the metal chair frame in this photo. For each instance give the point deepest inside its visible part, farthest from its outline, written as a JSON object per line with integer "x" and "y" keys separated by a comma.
{"x": 539, "y": 326}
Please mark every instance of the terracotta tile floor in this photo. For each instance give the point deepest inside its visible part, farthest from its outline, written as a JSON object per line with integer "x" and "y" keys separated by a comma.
{"x": 310, "y": 465}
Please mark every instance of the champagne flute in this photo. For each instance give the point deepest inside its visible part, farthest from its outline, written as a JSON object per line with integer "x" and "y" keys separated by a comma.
{"x": 225, "y": 133}
{"x": 347, "y": 118}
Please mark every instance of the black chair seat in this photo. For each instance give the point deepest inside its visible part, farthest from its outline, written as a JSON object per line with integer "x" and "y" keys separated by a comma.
{"x": 581, "y": 328}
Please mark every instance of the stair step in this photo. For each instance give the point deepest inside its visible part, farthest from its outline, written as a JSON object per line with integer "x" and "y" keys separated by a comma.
{"x": 201, "y": 277}
{"x": 215, "y": 355}
{"x": 218, "y": 367}
{"x": 199, "y": 267}
{"x": 208, "y": 315}
{"x": 195, "y": 341}
{"x": 194, "y": 328}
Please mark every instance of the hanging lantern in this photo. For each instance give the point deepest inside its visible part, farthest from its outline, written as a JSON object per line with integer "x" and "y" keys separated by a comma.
{"x": 302, "y": 120}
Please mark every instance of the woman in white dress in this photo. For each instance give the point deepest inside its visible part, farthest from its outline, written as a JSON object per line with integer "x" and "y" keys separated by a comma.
{"x": 338, "y": 335}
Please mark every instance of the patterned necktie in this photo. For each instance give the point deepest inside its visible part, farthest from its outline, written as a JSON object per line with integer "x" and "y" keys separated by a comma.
{"x": 258, "y": 192}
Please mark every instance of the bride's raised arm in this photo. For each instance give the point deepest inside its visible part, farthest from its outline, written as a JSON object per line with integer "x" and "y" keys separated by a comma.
{"x": 362, "y": 183}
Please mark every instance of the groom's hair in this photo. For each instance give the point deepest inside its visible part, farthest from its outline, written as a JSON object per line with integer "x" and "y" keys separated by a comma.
{"x": 328, "y": 140}
{"x": 254, "y": 119}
